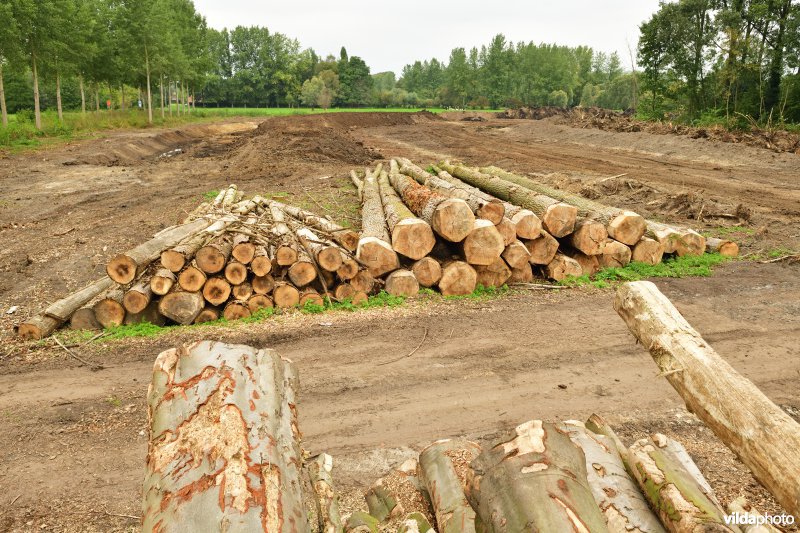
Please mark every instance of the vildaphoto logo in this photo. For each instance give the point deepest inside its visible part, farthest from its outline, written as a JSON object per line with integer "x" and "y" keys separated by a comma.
{"x": 747, "y": 519}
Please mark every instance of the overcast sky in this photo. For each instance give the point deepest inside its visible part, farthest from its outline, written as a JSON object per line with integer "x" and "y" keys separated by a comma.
{"x": 388, "y": 35}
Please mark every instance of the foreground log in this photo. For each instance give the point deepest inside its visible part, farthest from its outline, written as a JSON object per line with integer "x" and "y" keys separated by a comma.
{"x": 374, "y": 248}
{"x": 182, "y": 306}
{"x": 484, "y": 244}
{"x": 402, "y": 282}
{"x": 624, "y": 226}
{"x": 224, "y": 452}
{"x": 411, "y": 236}
{"x": 557, "y": 218}
{"x": 320, "y": 470}
{"x": 533, "y": 479}
{"x": 458, "y": 279}
{"x": 443, "y": 468}
{"x": 759, "y": 432}
{"x": 617, "y": 495}
{"x": 346, "y": 238}
{"x": 722, "y": 246}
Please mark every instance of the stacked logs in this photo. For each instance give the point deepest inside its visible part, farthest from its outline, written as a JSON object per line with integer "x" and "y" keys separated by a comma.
{"x": 456, "y": 227}
{"x": 225, "y": 453}
{"x": 229, "y": 259}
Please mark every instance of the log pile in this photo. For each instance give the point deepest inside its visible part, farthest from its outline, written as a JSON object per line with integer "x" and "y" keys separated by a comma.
{"x": 225, "y": 452}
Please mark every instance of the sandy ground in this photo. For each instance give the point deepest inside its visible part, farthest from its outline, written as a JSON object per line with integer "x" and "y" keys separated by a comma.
{"x": 72, "y": 449}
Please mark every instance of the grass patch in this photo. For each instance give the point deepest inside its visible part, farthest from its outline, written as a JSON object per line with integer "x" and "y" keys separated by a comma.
{"x": 480, "y": 293}
{"x": 728, "y": 231}
{"x": 210, "y": 196}
{"x": 675, "y": 267}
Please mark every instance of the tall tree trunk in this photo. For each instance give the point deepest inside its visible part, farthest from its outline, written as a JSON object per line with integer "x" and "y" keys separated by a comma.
{"x": 122, "y": 97}
{"x": 161, "y": 91}
{"x": 773, "y": 91}
{"x": 37, "y": 111}
{"x": 149, "y": 95}
{"x": 169, "y": 97}
{"x": 83, "y": 95}
{"x": 178, "y": 104}
{"x": 58, "y": 97}
{"x": 97, "y": 97}
{"x": 3, "y": 110}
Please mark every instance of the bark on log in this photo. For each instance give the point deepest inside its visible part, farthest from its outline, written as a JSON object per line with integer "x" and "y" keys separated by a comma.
{"x": 109, "y": 310}
{"x": 217, "y": 290}
{"x": 382, "y": 503}
{"x": 443, "y": 468}
{"x": 543, "y": 249}
{"x": 428, "y": 271}
{"x": 589, "y": 237}
{"x": 208, "y": 314}
{"x": 533, "y": 479}
{"x": 557, "y": 218}
{"x": 361, "y": 522}
{"x": 624, "y": 226}
{"x": 402, "y": 282}
{"x": 261, "y": 265}
{"x": 561, "y": 267}
{"x": 484, "y": 244}
{"x": 494, "y": 275}
{"x": 617, "y": 495}
{"x": 648, "y": 251}
{"x": 374, "y": 248}
{"x": 759, "y": 432}
{"x": 191, "y": 278}
{"x": 84, "y": 319}
{"x": 213, "y": 257}
{"x": 37, "y": 327}
{"x": 451, "y": 218}
{"x": 162, "y": 281}
{"x": 722, "y": 246}
{"x": 182, "y": 306}
{"x": 224, "y": 451}
{"x": 259, "y": 301}
{"x": 345, "y": 237}
{"x": 676, "y": 240}
{"x": 458, "y": 279}
{"x": 235, "y": 310}
{"x": 138, "y": 297}
{"x": 320, "y": 470}
{"x": 411, "y": 236}
{"x": 285, "y": 295}
{"x": 615, "y": 255}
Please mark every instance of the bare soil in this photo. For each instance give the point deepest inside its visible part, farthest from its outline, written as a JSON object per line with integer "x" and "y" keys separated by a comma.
{"x": 73, "y": 440}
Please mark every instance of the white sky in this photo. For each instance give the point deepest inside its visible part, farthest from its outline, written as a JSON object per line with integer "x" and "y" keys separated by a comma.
{"x": 388, "y": 35}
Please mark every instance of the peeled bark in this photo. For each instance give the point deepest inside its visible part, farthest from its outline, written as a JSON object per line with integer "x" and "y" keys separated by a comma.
{"x": 451, "y": 218}
{"x": 533, "y": 479}
{"x": 543, "y": 249}
{"x": 494, "y": 275}
{"x": 647, "y": 251}
{"x": 84, "y": 319}
{"x": 411, "y": 236}
{"x": 191, "y": 278}
{"x": 346, "y": 238}
{"x": 217, "y": 290}
{"x": 562, "y": 267}
{"x": 285, "y": 295}
{"x": 138, "y": 296}
{"x": 428, "y": 271}
{"x": 109, "y": 310}
{"x": 484, "y": 244}
{"x": 624, "y": 226}
{"x": 327, "y": 503}
{"x": 589, "y": 237}
{"x": 615, "y": 255}
{"x": 374, "y": 248}
{"x": 402, "y": 282}
{"x": 759, "y": 432}
{"x": 224, "y": 451}
{"x": 722, "y": 246}
{"x": 162, "y": 281}
{"x": 458, "y": 279}
{"x": 616, "y": 493}
{"x": 443, "y": 468}
{"x": 182, "y": 306}
{"x": 557, "y": 218}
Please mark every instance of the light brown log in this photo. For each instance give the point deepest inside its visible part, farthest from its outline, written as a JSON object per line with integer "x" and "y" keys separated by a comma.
{"x": 162, "y": 281}
{"x": 363, "y": 282}
{"x": 359, "y": 298}
{"x": 285, "y": 295}
{"x": 174, "y": 259}
{"x": 243, "y": 249}
{"x": 287, "y": 248}
{"x": 722, "y": 246}
{"x": 742, "y": 506}
{"x": 236, "y": 310}
{"x": 138, "y": 296}
{"x": 208, "y": 314}
{"x": 217, "y": 290}
{"x": 443, "y": 469}
{"x": 236, "y": 272}
{"x": 263, "y": 284}
{"x": 451, "y": 218}
{"x": 358, "y": 183}
{"x": 344, "y": 291}
{"x": 377, "y": 255}
{"x": 507, "y": 230}
{"x": 402, "y": 282}
{"x": 516, "y": 254}
{"x": 411, "y": 236}
{"x": 310, "y": 295}
{"x": 327, "y": 254}
{"x": 261, "y": 265}
{"x": 428, "y": 271}
{"x": 648, "y": 251}
{"x": 346, "y": 238}
{"x": 213, "y": 257}
{"x": 589, "y": 237}
{"x": 320, "y": 470}
{"x": 484, "y": 244}
{"x": 533, "y": 479}
{"x": 302, "y": 272}
{"x": 543, "y": 249}
{"x": 615, "y": 255}
{"x": 676, "y": 240}
{"x": 348, "y": 270}
{"x": 494, "y": 275}
{"x": 590, "y": 264}
{"x": 759, "y": 432}
{"x": 191, "y": 278}
{"x": 109, "y": 310}
{"x": 624, "y": 226}
{"x": 523, "y": 274}
{"x": 374, "y": 247}
{"x": 61, "y": 310}
{"x": 224, "y": 451}
{"x": 458, "y": 279}
{"x": 242, "y": 291}
{"x": 562, "y": 267}
{"x": 259, "y": 301}
{"x": 181, "y": 306}
{"x": 37, "y": 327}
{"x": 84, "y": 318}
{"x": 526, "y": 224}
{"x": 149, "y": 314}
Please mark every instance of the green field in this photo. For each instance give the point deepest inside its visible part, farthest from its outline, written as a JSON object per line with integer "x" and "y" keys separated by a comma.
{"x": 21, "y": 134}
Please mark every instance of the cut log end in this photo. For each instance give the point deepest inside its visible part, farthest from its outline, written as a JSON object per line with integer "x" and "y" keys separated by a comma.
{"x": 377, "y": 255}
{"x": 263, "y": 284}
{"x": 458, "y": 279}
{"x": 236, "y": 272}
{"x": 428, "y": 271}
{"x": 723, "y": 247}
{"x": 285, "y": 295}
{"x": 348, "y": 270}
{"x": 494, "y": 275}
{"x": 562, "y": 267}
{"x": 285, "y": 255}
{"x": 302, "y": 273}
{"x": 484, "y": 244}
{"x": 453, "y": 220}
{"x": 523, "y": 274}
{"x": 84, "y": 319}
{"x": 615, "y": 255}
{"x": 559, "y": 219}
{"x": 627, "y": 228}
{"x": 589, "y": 237}
{"x": 363, "y": 282}
{"x": 173, "y": 260}
{"x": 121, "y": 269}
{"x": 135, "y": 301}
{"x": 210, "y": 259}
{"x": 507, "y": 230}
{"x": 162, "y": 281}
{"x": 330, "y": 258}
{"x": 109, "y": 312}
{"x": 542, "y": 249}
{"x": 310, "y": 295}
{"x": 236, "y": 311}
{"x": 527, "y": 224}
{"x": 413, "y": 238}
{"x": 217, "y": 290}
{"x": 244, "y": 252}
{"x": 259, "y": 301}
{"x": 242, "y": 292}
{"x": 261, "y": 265}
{"x": 516, "y": 255}
{"x": 647, "y": 251}
{"x": 402, "y": 283}
{"x": 492, "y": 211}
{"x": 208, "y": 314}
{"x": 191, "y": 279}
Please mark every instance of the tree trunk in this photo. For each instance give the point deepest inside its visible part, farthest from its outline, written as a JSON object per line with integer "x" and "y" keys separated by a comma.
{"x": 624, "y": 226}
{"x": 3, "y": 109}
{"x": 411, "y": 236}
{"x": 149, "y": 92}
{"x": 169, "y": 97}
{"x": 122, "y": 97}
{"x": 760, "y": 433}
{"x": 543, "y": 249}
{"x": 37, "y": 112}
{"x": 374, "y": 248}
{"x": 161, "y": 93}
{"x": 617, "y": 495}
{"x": 589, "y": 237}
{"x": 723, "y": 247}
{"x": 402, "y": 282}
{"x": 109, "y": 310}
{"x": 59, "y": 108}
{"x": 213, "y": 257}
{"x": 346, "y": 238}
{"x": 450, "y": 218}
{"x": 443, "y": 468}
{"x": 458, "y": 279}
{"x": 83, "y": 95}
{"x": 327, "y": 502}
{"x": 181, "y": 306}
{"x": 533, "y": 479}
{"x": 97, "y": 98}
{"x": 557, "y": 218}
{"x": 191, "y": 278}
{"x": 138, "y": 297}
{"x": 224, "y": 447}
{"x": 484, "y": 244}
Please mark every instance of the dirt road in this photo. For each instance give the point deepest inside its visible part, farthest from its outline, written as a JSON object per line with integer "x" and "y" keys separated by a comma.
{"x": 73, "y": 440}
